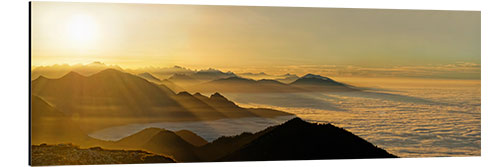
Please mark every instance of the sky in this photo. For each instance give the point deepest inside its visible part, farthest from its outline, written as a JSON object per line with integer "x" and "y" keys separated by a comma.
{"x": 256, "y": 39}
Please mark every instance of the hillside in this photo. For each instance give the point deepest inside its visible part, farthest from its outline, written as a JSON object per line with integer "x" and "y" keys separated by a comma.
{"x": 67, "y": 154}
{"x": 292, "y": 140}
{"x": 149, "y": 77}
{"x": 300, "y": 140}
{"x": 191, "y": 138}
{"x": 313, "y": 82}
{"x": 244, "y": 85}
{"x": 49, "y": 125}
{"x": 183, "y": 79}
{"x": 159, "y": 141}
{"x": 112, "y": 97}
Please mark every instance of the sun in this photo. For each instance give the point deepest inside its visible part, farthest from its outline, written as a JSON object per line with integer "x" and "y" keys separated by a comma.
{"x": 81, "y": 29}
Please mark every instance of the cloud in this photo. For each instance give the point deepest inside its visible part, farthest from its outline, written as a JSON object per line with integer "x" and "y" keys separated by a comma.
{"x": 460, "y": 70}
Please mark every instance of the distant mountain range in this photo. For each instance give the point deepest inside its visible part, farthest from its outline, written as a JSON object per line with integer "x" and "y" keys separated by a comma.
{"x": 169, "y": 84}
{"x": 59, "y": 70}
{"x": 65, "y": 109}
{"x": 307, "y": 83}
{"x": 117, "y": 98}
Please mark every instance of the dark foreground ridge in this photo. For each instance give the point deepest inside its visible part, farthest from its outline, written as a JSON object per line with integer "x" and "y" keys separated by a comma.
{"x": 293, "y": 140}
{"x": 300, "y": 140}
{"x": 67, "y": 154}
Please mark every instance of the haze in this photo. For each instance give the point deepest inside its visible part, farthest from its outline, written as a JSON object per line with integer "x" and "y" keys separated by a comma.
{"x": 329, "y": 41}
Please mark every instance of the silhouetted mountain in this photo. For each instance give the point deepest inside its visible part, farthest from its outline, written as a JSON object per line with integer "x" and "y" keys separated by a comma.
{"x": 320, "y": 83}
{"x": 292, "y": 140}
{"x": 67, "y": 154}
{"x": 49, "y": 125}
{"x": 307, "y": 83}
{"x": 117, "y": 98}
{"x": 183, "y": 79}
{"x": 109, "y": 93}
{"x": 287, "y": 78}
{"x": 164, "y": 72}
{"x": 57, "y": 70}
{"x": 256, "y": 76}
{"x": 160, "y": 141}
{"x": 238, "y": 84}
{"x": 149, "y": 77}
{"x": 300, "y": 140}
{"x": 191, "y": 138}
{"x": 169, "y": 84}
{"x": 231, "y": 110}
{"x": 211, "y": 74}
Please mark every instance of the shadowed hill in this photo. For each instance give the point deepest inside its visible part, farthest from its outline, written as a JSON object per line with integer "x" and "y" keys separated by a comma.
{"x": 231, "y": 110}
{"x": 112, "y": 97}
{"x": 159, "y": 141}
{"x": 300, "y": 140}
{"x": 191, "y": 138}
{"x": 66, "y": 154}
{"x": 149, "y": 77}
{"x": 183, "y": 79}
{"x": 171, "y": 87}
{"x": 49, "y": 125}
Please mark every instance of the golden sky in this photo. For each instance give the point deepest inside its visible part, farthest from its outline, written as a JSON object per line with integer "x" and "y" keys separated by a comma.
{"x": 231, "y": 37}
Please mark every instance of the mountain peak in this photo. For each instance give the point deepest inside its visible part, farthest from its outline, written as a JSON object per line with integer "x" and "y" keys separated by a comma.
{"x": 217, "y": 95}
{"x": 109, "y": 71}
{"x": 295, "y": 122}
{"x": 96, "y": 63}
{"x": 72, "y": 75}
{"x": 40, "y": 78}
{"x": 318, "y": 80}
{"x": 313, "y": 76}
{"x": 148, "y": 76}
{"x": 183, "y": 93}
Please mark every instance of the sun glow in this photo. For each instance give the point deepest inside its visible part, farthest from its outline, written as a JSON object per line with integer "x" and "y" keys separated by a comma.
{"x": 81, "y": 29}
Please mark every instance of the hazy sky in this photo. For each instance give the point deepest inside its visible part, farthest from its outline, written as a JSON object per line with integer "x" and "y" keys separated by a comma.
{"x": 136, "y": 35}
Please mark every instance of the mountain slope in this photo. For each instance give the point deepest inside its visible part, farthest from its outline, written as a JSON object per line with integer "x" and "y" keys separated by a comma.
{"x": 300, "y": 140}
{"x": 112, "y": 97}
{"x": 59, "y": 70}
{"x": 64, "y": 154}
{"x": 307, "y": 83}
{"x": 49, "y": 125}
{"x": 231, "y": 110}
{"x": 149, "y": 77}
{"x": 292, "y": 140}
{"x": 191, "y": 138}
{"x": 159, "y": 141}
{"x": 104, "y": 94}
{"x": 313, "y": 82}
{"x": 243, "y": 85}
{"x": 211, "y": 74}
{"x": 183, "y": 79}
